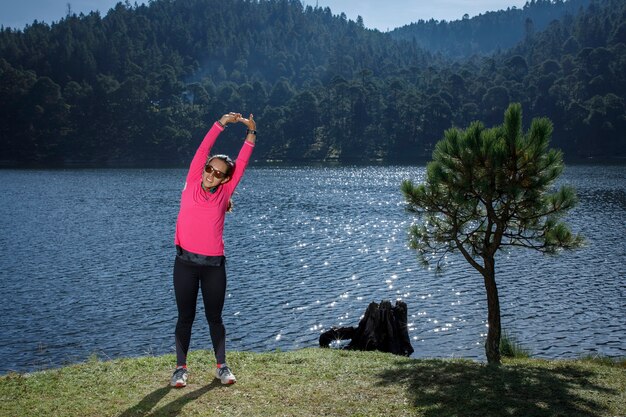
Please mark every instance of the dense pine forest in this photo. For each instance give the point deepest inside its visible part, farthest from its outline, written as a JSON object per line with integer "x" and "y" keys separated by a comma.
{"x": 142, "y": 84}
{"x": 488, "y": 32}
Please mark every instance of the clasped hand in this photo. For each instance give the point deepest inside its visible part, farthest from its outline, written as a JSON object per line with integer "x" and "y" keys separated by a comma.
{"x": 237, "y": 117}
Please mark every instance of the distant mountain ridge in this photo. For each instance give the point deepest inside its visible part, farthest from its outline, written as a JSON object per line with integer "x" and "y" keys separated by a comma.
{"x": 488, "y": 32}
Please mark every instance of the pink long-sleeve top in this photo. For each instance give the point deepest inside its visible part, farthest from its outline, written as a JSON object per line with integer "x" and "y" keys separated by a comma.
{"x": 200, "y": 224}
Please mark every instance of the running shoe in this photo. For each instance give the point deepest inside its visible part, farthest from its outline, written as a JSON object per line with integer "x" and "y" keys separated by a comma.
{"x": 225, "y": 375}
{"x": 179, "y": 378}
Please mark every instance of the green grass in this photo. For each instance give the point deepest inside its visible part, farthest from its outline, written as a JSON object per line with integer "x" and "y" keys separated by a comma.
{"x": 511, "y": 348}
{"x": 321, "y": 382}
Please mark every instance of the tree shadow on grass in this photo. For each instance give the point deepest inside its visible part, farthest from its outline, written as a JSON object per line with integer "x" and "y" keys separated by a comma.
{"x": 145, "y": 406}
{"x": 464, "y": 388}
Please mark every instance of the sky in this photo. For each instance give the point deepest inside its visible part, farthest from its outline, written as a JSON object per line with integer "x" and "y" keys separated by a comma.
{"x": 377, "y": 14}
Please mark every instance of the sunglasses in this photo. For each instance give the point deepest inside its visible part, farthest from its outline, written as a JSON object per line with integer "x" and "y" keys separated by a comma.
{"x": 217, "y": 174}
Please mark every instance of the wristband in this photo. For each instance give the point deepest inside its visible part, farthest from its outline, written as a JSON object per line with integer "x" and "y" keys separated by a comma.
{"x": 250, "y": 132}
{"x": 221, "y": 124}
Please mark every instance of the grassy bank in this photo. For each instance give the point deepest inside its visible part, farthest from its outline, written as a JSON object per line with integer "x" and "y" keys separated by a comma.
{"x": 317, "y": 382}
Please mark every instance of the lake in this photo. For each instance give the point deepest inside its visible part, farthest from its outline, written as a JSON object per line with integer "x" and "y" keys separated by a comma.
{"x": 87, "y": 257}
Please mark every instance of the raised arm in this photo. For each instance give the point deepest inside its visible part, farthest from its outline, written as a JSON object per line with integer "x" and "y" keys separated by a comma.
{"x": 244, "y": 154}
{"x": 199, "y": 159}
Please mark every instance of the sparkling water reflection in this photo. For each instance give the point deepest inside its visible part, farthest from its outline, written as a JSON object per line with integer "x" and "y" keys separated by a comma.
{"x": 87, "y": 258}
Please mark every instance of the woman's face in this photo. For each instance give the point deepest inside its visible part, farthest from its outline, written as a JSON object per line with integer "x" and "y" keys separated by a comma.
{"x": 216, "y": 175}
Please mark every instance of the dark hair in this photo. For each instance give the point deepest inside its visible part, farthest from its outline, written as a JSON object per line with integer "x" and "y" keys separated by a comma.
{"x": 229, "y": 171}
{"x": 229, "y": 162}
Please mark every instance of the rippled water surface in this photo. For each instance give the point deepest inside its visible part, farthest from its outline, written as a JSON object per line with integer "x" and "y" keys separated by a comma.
{"x": 87, "y": 256}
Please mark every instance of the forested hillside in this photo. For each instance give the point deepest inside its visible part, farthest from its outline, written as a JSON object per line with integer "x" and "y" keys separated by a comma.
{"x": 142, "y": 84}
{"x": 488, "y": 32}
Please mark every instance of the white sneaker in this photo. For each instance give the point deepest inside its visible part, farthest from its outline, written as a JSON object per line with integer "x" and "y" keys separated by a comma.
{"x": 179, "y": 378}
{"x": 225, "y": 375}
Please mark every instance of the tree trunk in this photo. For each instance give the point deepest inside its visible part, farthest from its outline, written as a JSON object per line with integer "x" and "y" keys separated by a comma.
{"x": 492, "y": 344}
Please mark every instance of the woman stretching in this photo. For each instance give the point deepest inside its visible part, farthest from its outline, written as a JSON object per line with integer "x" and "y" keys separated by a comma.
{"x": 200, "y": 261}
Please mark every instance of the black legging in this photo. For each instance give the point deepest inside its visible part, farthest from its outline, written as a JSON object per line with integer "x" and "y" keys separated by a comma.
{"x": 212, "y": 280}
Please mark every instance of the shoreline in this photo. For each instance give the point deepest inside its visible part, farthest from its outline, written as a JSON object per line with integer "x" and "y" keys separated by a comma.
{"x": 316, "y": 381}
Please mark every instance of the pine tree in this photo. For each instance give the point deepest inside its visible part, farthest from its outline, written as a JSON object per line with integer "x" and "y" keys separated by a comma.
{"x": 489, "y": 189}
